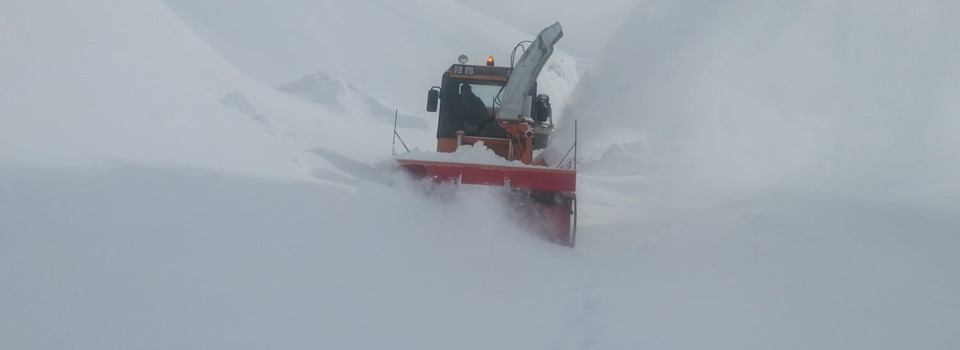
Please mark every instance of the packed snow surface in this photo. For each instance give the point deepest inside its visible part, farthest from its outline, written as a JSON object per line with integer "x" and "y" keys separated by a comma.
{"x": 752, "y": 175}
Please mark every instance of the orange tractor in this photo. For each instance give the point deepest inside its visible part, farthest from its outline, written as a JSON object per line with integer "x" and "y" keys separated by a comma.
{"x": 499, "y": 107}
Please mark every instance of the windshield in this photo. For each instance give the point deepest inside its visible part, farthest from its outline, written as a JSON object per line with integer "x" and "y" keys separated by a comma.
{"x": 469, "y": 105}
{"x": 486, "y": 93}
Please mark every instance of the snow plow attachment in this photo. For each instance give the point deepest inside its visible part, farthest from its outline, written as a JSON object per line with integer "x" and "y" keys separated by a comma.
{"x": 544, "y": 197}
{"x": 528, "y": 178}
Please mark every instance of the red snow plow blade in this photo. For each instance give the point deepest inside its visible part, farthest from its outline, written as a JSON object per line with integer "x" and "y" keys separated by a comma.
{"x": 528, "y": 178}
{"x": 546, "y": 197}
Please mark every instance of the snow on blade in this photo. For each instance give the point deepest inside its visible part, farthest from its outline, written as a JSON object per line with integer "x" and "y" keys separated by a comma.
{"x": 478, "y": 153}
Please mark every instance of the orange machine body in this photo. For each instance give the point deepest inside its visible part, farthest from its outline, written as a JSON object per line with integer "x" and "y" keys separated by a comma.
{"x": 548, "y": 193}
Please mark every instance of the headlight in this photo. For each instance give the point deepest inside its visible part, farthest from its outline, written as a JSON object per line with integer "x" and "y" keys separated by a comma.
{"x": 457, "y": 69}
{"x": 468, "y": 70}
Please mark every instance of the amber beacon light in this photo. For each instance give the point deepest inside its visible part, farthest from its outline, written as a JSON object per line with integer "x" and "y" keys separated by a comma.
{"x": 490, "y": 61}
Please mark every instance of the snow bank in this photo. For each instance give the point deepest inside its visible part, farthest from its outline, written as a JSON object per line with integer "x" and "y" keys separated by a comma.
{"x": 393, "y": 50}
{"x": 85, "y": 93}
{"x": 347, "y": 100}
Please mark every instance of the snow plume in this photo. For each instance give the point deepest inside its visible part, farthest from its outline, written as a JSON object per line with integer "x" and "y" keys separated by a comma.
{"x": 794, "y": 174}
{"x": 738, "y": 95}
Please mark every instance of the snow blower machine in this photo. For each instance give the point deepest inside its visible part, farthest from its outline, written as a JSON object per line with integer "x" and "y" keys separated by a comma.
{"x": 499, "y": 108}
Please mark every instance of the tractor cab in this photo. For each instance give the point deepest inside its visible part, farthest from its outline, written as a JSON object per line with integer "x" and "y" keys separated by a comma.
{"x": 469, "y": 100}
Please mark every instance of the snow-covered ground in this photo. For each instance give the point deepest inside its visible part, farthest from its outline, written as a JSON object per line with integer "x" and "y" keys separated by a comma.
{"x": 753, "y": 175}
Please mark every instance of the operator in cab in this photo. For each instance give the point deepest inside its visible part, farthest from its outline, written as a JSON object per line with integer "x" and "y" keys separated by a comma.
{"x": 472, "y": 110}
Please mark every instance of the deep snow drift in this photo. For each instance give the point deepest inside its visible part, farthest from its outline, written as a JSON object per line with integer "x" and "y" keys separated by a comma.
{"x": 754, "y": 175}
{"x": 153, "y": 258}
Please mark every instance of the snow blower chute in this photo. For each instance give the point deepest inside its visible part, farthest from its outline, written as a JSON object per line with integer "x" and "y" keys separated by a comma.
{"x": 499, "y": 108}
